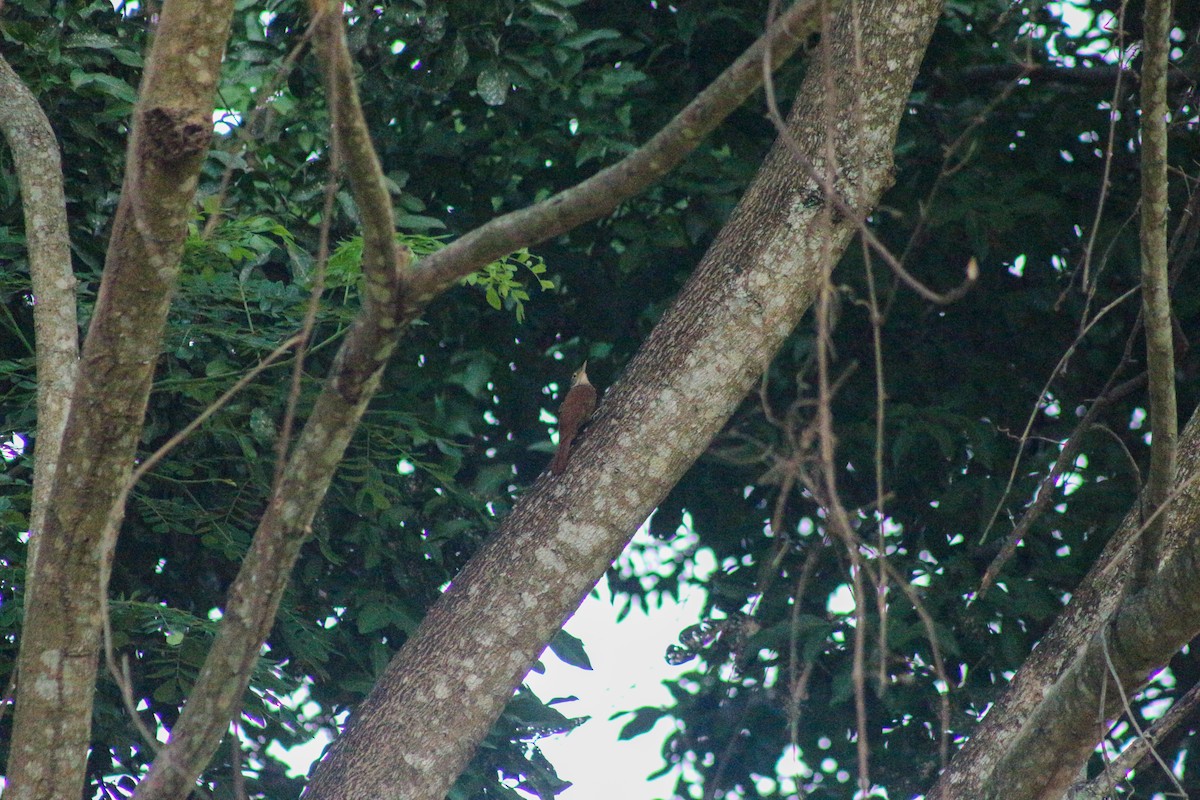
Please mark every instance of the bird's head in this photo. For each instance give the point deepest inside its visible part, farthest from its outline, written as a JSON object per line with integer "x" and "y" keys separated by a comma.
{"x": 580, "y": 375}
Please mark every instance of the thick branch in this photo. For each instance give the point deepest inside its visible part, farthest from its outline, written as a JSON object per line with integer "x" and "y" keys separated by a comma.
{"x": 1156, "y": 298}
{"x": 1093, "y": 601}
{"x": 56, "y": 327}
{"x": 62, "y": 627}
{"x": 445, "y": 688}
{"x": 254, "y": 597}
{"x": 604, "y": 191}
{"x": 1139, "y": 749}
{"x": 1139, "y": 640}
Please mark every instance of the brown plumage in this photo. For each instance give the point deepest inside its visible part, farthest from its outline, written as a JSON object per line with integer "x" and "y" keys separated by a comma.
{"x": 576, "y": 407}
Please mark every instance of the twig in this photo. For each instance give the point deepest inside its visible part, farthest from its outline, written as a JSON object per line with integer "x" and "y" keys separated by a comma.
{"x": 158, "y": 455}
{"x": 798, "y": 683}
{"x": 880, "y": 431}
{"x": 245, "y": 131}
{"x": 235, "y": 760}
{"x": 1045, "y": 492}
{"x": 121, "y": 676}
{"x": 1183, "y": 241}
{"x": 713, "y": 785}
{"x": 838, "y": 518}
{"x": 1037, "y": 406}
{"x": 314, "y": 295}
{"x": 9, "y": 696}
{"x": 947, "y": 170}
{"x": 939, "y": 664}
{"x": 1108, "y": 156}
{"x": 832, "y": 196}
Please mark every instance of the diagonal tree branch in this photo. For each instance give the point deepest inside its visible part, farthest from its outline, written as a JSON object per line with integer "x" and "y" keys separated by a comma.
{"x": 61, "y": 634}
{"x": 1141, "y": 637}
{"x": 1102, "y": 786}
{"x": 1095, "y": 600}
{"x": 604, "y": 191}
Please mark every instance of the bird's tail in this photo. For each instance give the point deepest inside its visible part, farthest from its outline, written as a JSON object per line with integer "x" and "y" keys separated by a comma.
{"x": 561, "y": 456}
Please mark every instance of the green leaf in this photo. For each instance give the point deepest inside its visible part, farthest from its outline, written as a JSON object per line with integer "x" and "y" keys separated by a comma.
{"x": 107, "y": 84}
{"x": 644, "y": 720}
{"x": 569, "y": 650}
{"x": 373, "y": 617}
{"x": 493, "y": 84}
{"x": 417, "y": 222}
{"x": 581, "y": 40}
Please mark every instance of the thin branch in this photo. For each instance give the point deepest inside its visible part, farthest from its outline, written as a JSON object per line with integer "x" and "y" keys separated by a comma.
{"x": 10, "y": 693}
{"x": 948, "y": 170}
{"x": 238, "y": 778}
{"x": 838, "y": 519}
{"x": 1086, "y": 76}
{"x": 121, "y": 676}
{"x": 712, "y": 784}
{"x": 1183, "y": 241}
{"x": 881, "y": 590}
{"x": 1105, "y": 181}
{"x": 246, "y": 131}
{"x": 939, "y": 663}
{"x": 1156, "y": 297}
{"x": 798, "y": 678}
{"x": 1129, "y": 713}
{"x": 1037, "y": 406}
{"x": 607, "y": 189}
{"x": 318, "y": 284}
{"x": 158, "y": 455}
{"x": 1045, "y": 492}
{"x": 120, "y": 672}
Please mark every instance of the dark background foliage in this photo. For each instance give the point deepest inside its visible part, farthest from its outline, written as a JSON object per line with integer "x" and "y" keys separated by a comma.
{"x": 479, "y": 108}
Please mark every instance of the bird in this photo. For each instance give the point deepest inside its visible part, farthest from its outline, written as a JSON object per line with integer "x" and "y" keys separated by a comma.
{"x": 576, "y": 407}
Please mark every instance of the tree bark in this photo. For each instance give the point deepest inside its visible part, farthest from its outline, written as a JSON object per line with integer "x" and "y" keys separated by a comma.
{"x": 442, "y": 692}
